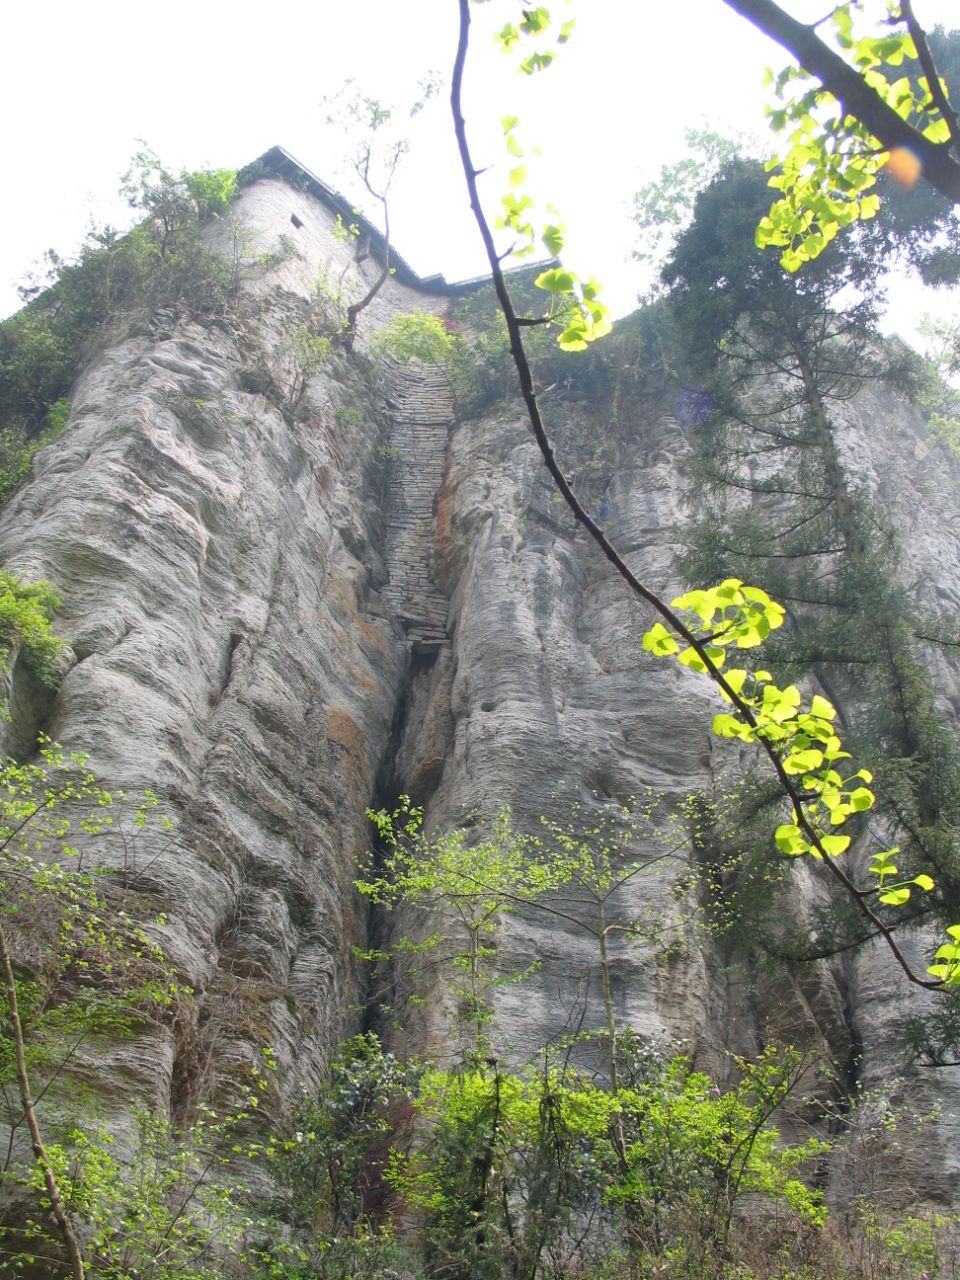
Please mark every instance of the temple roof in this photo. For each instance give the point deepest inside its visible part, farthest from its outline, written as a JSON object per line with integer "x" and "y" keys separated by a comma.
{"x": 281, "y": 164}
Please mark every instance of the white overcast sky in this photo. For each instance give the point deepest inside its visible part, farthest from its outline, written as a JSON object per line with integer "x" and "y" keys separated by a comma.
{"x": 211, "y": 83}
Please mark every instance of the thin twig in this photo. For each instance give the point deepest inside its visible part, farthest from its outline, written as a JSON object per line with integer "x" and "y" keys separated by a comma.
{"x": 36, "y": 1141}
{"x": 934, "y": 87}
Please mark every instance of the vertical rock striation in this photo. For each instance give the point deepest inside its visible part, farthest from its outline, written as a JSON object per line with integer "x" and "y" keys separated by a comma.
{"x": 252, "y": 636}
{"x": 420, "y": 407}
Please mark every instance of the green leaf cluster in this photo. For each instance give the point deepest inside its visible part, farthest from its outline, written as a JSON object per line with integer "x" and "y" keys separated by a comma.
{"x": 803, "y": 743}
{"x": 831, "y": 162}
{"x": 575, "y": 307}
{"x": 26, "y": 611}
{"x": 51, "y": 809}
{"x": 729, "y": 615}
{"x": 536, "y": 25}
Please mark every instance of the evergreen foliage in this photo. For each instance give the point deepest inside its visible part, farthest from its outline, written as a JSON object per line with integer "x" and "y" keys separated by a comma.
{"x": 778, "y": 357}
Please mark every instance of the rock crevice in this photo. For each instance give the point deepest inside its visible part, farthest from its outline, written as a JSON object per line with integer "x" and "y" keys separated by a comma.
{"x": 272, "y": 653}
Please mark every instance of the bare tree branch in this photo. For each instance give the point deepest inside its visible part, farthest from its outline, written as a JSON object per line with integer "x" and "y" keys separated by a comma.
{"x": 934, "y": 87}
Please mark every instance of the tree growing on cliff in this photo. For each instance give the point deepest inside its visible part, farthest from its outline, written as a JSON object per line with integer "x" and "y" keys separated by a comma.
{"x": 800, "y": 745}
{"x": 376, "y": 152}
{"x": 26, "y": 613}
{"x": 578, "y": 870}
{"x": 464, "y": 889}
{"x": 775, "y": 502}
{"x": 78, "y": 971}
{"x": 778, "y": 354}
{"x": 163, "y": 261}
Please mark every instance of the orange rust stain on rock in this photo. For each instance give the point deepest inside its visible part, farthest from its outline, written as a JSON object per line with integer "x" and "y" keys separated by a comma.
{"x": 427, "y": 774}
{"x": 372, "y": 634}
{"x": 359, "y": 679}
{"x": 444, "y": 546}
{"x": 344, "y": 733}
{"x": 345, "y": 595}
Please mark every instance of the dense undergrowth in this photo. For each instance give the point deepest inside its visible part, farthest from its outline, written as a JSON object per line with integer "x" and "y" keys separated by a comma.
{"x": 606, "y": 1155}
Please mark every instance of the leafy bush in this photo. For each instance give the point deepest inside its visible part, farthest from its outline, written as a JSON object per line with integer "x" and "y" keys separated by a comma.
{"x": 26, "y": 609}
{"x": 75, "y": 964}
{"x": 330, "y": 1164}
{"x": 17, "y": 449}
{"x": 416, "y": 335}
{"x": 161, "y": 262}
{"x": 545, "y": 1171}
{"x": 166, "y": 1213}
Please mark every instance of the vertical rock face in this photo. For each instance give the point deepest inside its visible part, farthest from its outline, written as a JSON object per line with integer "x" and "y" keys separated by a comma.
{"x": 285, "y": 604}
{"x": 221, "y": 563}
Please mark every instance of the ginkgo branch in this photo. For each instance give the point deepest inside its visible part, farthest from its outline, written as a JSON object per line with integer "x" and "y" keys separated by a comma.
{"x": 857, "y": 97}
{"x": 529, "y": 396}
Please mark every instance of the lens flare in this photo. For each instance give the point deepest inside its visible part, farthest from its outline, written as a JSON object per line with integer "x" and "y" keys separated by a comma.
{"x": 904, "y": 166}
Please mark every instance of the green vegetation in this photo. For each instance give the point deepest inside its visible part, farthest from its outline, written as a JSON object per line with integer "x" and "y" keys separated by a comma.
{"x": 76, "y": 966}
{"x": 543, "y": 1172}
{"x": 476, "y": 1170}
{"x": 802, "y": 745}
{"x": 867, "y": 98}
{"x": 415, "y": 335}
{"x": 574, "y": 872}
{"x": 162, "y": 262}
{"x": 776, "y": 359}
{"x": 463, "y": 890}
{"x": 495, "y": 1171}
{"x": 542, "y": 1169}
{"x": 165, "y": 1211}
{"x": 17, "y": 448}
{"x": 511, "y": 1165}
{"x": 26, "y": 610}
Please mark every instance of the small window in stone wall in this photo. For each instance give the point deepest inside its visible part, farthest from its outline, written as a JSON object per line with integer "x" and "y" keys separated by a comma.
{"x": 296, "y": 221}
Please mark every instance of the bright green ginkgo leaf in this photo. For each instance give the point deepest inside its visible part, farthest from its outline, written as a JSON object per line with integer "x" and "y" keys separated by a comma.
{"x": 833, "y": 846}
{"x": 556, "y": 280}
{"x": 553, "y": 240}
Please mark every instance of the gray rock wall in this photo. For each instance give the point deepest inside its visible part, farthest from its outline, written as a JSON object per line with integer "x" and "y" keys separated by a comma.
{"x": 274, "y": 635}
{"x": 221, "y": 567}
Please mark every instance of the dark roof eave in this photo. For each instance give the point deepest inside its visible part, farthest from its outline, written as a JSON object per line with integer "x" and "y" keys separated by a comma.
{"x": 281, "y": 163}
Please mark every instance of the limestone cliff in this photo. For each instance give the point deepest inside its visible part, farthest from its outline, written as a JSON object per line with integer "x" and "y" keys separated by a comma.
{"x": 282, "y": 608}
